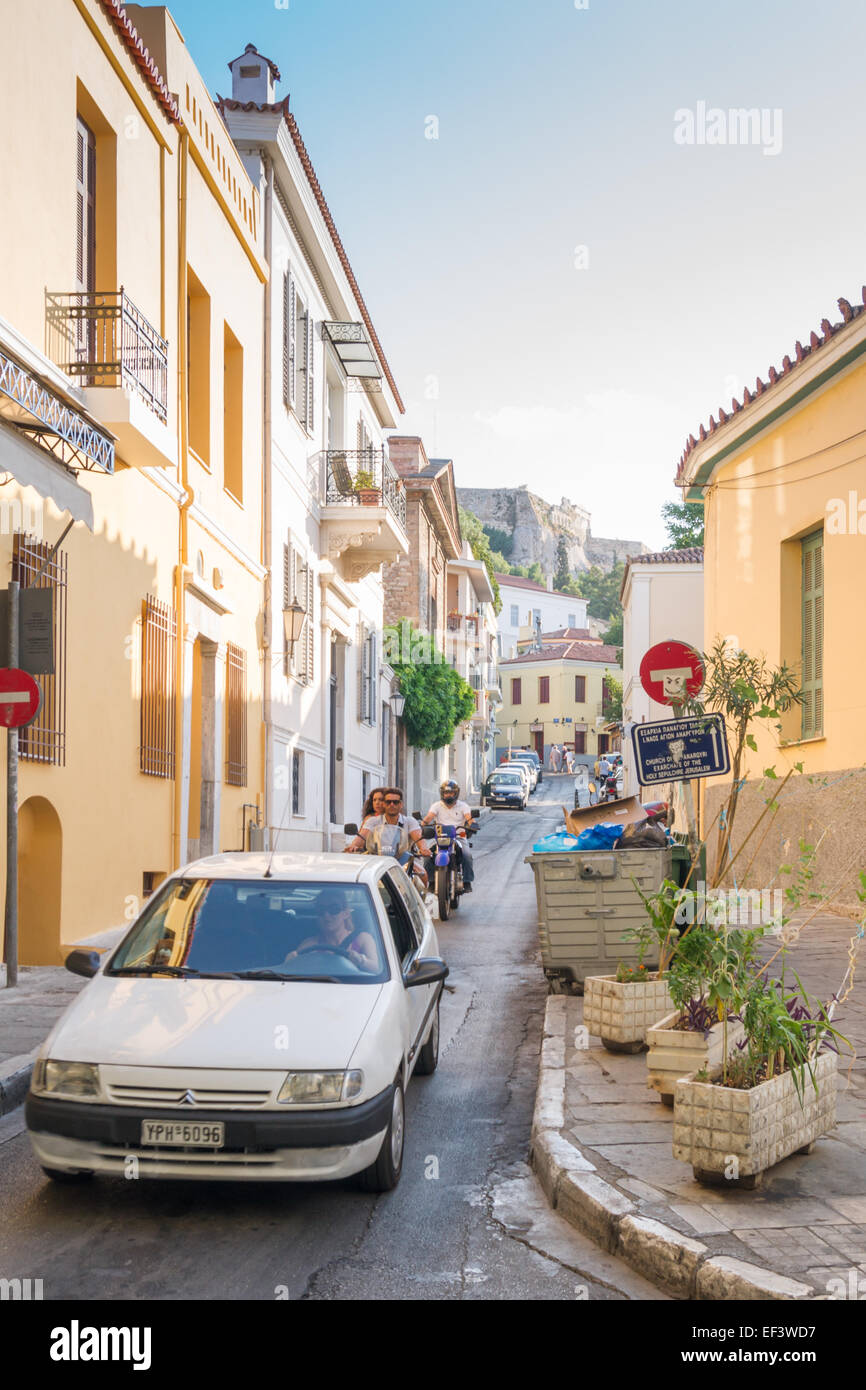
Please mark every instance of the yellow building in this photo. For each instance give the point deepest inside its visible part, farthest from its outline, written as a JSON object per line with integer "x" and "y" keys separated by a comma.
{"x": 783, "y": 482}
{"x": 558, "y": 694}
{"x": 130, "y": 401}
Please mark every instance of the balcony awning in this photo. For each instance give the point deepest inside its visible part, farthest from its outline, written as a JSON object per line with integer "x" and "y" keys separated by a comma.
{"x": 354, "y": 349}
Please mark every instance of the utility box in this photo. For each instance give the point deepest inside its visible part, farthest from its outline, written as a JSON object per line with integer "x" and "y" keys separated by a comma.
{"x": 586, "y": 903}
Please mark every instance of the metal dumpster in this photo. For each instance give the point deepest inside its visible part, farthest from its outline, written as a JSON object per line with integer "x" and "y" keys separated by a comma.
{"x": 586, "y": 902}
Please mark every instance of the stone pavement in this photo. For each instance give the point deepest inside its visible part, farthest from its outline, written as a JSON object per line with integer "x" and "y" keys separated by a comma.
{"x": 805, "y": 1226}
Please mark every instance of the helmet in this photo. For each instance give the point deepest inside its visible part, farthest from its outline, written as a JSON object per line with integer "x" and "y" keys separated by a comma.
{"x": 449, "y": 792}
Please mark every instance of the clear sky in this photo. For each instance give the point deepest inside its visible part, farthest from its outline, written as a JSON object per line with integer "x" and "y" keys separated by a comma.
{"x": 523, "y": 357}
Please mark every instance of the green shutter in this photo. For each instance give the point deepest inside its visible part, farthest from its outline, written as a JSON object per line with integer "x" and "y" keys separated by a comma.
{"x": 813, "y": 634}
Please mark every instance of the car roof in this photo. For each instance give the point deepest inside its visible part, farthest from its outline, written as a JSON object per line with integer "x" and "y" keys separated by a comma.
{"x": 295, "y": 867}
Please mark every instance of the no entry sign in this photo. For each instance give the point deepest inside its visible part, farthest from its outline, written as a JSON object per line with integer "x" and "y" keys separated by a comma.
{"x": 672, "y": 672}
{"x": 20, "y": 698}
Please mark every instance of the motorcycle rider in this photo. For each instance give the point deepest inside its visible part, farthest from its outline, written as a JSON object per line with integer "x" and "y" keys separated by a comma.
{"x": 450, "y": 810}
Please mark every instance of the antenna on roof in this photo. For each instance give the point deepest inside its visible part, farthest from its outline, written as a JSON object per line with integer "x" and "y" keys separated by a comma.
{"x": 267, "y": 873}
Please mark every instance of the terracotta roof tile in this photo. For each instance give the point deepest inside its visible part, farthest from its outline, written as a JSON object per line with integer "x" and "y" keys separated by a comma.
{"x": 571, "y": 651}
{"x": 227, "y": 104}
{"x": 517, "y": 582}
{"x": 828, "y": 331}
{"x": 689, "y": 555}
{"x": 142, "y": 59}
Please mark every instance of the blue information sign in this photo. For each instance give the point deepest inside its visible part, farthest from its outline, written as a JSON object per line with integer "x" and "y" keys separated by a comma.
{"x": 676, "y": 750}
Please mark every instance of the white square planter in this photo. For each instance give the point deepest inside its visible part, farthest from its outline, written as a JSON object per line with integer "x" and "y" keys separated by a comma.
{"x": 673, "y": 1053}
{"x": 620, "y": 1014}
{"x": 732, "y": 1134}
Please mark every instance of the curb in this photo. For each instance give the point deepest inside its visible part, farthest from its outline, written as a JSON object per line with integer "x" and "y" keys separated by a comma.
{"x": 679, "y": 1265}
{"x": 15, "y": 1081}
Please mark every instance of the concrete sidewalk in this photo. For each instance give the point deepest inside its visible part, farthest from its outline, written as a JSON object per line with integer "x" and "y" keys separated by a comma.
{"x": 602, "y": 1149}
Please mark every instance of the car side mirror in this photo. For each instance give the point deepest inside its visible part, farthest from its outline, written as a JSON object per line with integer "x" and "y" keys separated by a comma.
{"x": 427, "y": 971}
{"x": 83, "y": 963}
{"x": 350, "y": 829}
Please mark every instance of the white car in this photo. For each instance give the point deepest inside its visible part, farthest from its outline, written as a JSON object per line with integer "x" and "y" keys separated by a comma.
{"x": 524, "y": 771}
{"x": 260, "y": 1020}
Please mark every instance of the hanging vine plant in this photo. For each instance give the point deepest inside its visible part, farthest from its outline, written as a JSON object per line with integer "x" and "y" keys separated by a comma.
{"x": 437, "y": 697}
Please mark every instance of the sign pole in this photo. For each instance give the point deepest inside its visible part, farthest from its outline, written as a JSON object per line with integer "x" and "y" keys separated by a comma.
{"x": 688, "y": 797}
{"x": 11, "y": 919}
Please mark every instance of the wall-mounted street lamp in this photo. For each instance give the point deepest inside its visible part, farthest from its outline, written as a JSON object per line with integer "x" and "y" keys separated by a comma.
{"x": 294, "y": 619}
{"x": 398, "y": 704}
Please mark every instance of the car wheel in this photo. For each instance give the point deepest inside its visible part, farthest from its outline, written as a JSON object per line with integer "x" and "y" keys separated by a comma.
{"x": 384, "y": 1174}
{"x": 442, "y": 894}
{"x": 429, "y": 1054}
{"x": 58, "y": 1175}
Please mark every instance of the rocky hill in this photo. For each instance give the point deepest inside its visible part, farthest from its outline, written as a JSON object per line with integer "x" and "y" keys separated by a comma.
{"x": 536, "y": 526}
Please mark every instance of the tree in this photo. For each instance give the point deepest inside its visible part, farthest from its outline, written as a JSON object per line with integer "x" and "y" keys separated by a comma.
{"x": 473, "y": 532}
{"x": 563, "y": 571}
{"x": 437, "y": 696}
{"x": 601, "y": 588}
{"x": 501, "y": 541}
{"x": 536, "y": 573}
{"x": 612, "y": 702}
{"x": 685, "y": 524}
{"x": 613, "y": 635}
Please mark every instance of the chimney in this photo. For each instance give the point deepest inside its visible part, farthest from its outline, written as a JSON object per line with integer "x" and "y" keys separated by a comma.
{"x": 253, "y": 77}
{"x": 407, "y": 454}
{"x": 550, "y": 584}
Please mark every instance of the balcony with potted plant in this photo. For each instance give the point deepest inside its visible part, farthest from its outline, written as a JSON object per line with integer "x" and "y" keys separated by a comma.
{"x": 364, "y": 510}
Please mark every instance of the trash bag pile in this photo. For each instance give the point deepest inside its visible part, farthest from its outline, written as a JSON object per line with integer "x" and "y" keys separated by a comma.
{"x": 603, "y": 836}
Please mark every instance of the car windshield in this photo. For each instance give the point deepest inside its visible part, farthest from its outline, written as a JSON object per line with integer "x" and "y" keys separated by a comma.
{"x": 508, "y": 778}
{"x": 257, "y": 929}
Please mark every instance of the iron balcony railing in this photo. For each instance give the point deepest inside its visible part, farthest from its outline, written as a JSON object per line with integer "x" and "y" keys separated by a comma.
{"x": 364, "y": 477}
{"x": 104, "y": 340}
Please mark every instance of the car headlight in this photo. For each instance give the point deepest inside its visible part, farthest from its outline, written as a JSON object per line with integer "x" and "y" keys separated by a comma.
{"x": 320, "y": 1087}
{"x": 72, "y": 1079}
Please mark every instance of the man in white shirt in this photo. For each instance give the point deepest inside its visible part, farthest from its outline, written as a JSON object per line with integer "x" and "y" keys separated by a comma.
{"x": 450, "y": 810}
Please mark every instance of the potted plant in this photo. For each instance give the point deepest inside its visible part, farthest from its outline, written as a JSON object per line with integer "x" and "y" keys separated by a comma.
{"x": 774, "y": 1096}
{"x": 619, "y": 1008}
{"x": 365, "y": 486}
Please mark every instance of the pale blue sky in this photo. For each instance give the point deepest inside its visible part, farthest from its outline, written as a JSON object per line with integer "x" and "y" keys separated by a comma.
{"x": 556, "y": 130}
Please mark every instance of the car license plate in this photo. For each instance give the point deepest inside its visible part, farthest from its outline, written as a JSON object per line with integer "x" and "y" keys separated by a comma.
{"x": 195, "y": 1134}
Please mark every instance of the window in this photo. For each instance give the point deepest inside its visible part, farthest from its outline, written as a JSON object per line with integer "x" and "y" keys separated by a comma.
{"x": 299, "y": 584}
{"x": 304, "y": 386}
{"x": 515, "y": 615}
{"x": 580, "y": 743}
{"x": 368, "y": 676}
{"x": 297, "y": 782}
{"x": 44, "y": 741}
{"x": 536, "y": 616}
{"x": 289, "y": 340}
{"x": 233, "y": 415}
{"x": 236, "y": 716}
{"x": 572, "y": 620}
{"x": 544, "y": 690}
{"x": 198, "y": 367}
{"x": 516, "y": 687}
{"x": 158, "y": 643}
{"x": 85, "y": 217}
{"x": 812, "y": 588}
{"x": 400, "y": 922}
{"x": 580, "y": 689}
{"x": 365, "y": 787}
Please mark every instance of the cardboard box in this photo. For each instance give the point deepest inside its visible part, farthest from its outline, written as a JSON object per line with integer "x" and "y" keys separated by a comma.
{"x": 628, "y": 811}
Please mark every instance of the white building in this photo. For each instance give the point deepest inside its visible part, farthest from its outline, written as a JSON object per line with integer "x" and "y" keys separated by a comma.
{"x": 524, "y": 602}
{"x": 662, "y": 598}
{"x": 334, "y": 509}
{"x": 471, "y": 647}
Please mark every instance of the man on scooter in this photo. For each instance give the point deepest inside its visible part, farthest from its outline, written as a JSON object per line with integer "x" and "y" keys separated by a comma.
{"x": 392, "y": 832}
{"x": 450, "y": 810}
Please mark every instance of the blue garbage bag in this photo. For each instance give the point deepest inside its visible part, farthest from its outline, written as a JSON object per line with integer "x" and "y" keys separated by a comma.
{"x": 602, "y": 836}
{"x": 557, "y": 842}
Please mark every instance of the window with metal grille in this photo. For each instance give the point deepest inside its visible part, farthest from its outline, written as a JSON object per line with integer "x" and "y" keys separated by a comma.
{"x": 580, "y": 689}
{"x": 158, "y": 688}
{"x": 812, "y": 551}
{"x": 44, "y": 741}
{"x": 236, "y": 716}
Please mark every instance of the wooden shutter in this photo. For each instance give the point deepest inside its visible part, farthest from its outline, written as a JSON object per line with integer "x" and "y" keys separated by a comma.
{"x": 372, "y": 700}
{"x": 515, "y": 690}
{"x": 289, "y": 340}
{"x": 85, "y": 229}
{"x": 309, "y": 637}
{"x": 236, "y": 716}
{"x": 309, "y": 404}
{"x": 287, "y": 598}
{"x": 580, "y": 689}
{"x": 158, "y": 643}
{"x": 544, "y": 690}
{"x": 813, "y": 634}
{"x": 364, "y": 678}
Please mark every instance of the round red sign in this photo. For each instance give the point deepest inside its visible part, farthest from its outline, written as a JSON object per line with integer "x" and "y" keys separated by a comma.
{"x": 20, "y": 698}
{"x": 672, "y": 672}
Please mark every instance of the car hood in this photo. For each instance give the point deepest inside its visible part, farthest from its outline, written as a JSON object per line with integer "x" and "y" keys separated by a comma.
{"x": 214, "y": 1023}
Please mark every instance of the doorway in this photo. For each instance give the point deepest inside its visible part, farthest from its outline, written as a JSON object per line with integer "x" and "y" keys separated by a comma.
{"x": 204, "y": 758}
{"x": 40, "y": 861}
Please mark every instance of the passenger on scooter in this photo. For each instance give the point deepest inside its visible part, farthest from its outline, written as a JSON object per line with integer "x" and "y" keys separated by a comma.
{"x": 392, "y": 833}
{"x": 450, "y": 810}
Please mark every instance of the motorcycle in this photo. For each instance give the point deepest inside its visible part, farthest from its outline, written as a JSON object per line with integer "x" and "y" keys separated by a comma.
{"x": 448, "y": 874}
{"x": 410, "y": 860}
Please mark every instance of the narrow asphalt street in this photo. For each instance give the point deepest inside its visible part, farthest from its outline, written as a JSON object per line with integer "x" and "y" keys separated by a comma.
{"x": 467, "y": 1220}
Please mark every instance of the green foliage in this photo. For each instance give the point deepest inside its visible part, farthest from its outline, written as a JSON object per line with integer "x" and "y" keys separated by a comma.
{"x": 563, "y": 570}
{"x": 613, "y": 635}
{"x": 500, "y": 541}
{"x": 685, "y": 524}
{"x": 601, "y": 588}
{"x": 536, "y": 573}
{"x": 612, "y": 698}
{"x": 437, "y": 697}
{"x": 473, "y": 532}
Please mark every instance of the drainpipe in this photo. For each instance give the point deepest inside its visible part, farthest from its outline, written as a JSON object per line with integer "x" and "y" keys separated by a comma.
{"x": 267, "y": 454}
{"x": 177, "y": 855}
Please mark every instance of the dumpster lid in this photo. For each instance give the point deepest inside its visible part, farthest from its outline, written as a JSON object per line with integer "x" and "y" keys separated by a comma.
{"x": 628, "y": 811}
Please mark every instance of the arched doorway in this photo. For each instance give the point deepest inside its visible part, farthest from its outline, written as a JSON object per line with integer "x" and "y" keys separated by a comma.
{"x": 40, "y": 858}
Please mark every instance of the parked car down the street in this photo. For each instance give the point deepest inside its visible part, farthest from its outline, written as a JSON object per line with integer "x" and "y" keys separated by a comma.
{"x": 523, "y": 755}
{"x": 505, "y": 789}
{"x": 260, "y": 1020}
{"x": 522, "y": 769}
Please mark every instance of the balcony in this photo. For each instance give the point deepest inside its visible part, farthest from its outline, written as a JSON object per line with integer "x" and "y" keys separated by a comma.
{"x": 364, "y": 513}
{"x": 105, "y": 343}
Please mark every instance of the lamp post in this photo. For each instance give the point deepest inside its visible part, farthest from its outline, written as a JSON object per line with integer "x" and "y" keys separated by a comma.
{"x": 294, "y": 621}
{"x": 397, "y": 701}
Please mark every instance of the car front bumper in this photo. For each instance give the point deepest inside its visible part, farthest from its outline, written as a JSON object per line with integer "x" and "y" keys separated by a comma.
{"x": 304, "y": 1146}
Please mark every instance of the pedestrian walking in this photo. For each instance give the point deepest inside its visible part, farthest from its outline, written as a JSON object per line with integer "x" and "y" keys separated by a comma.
{"x": 552, "y": 757}
{"x": 569, "y": 761}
